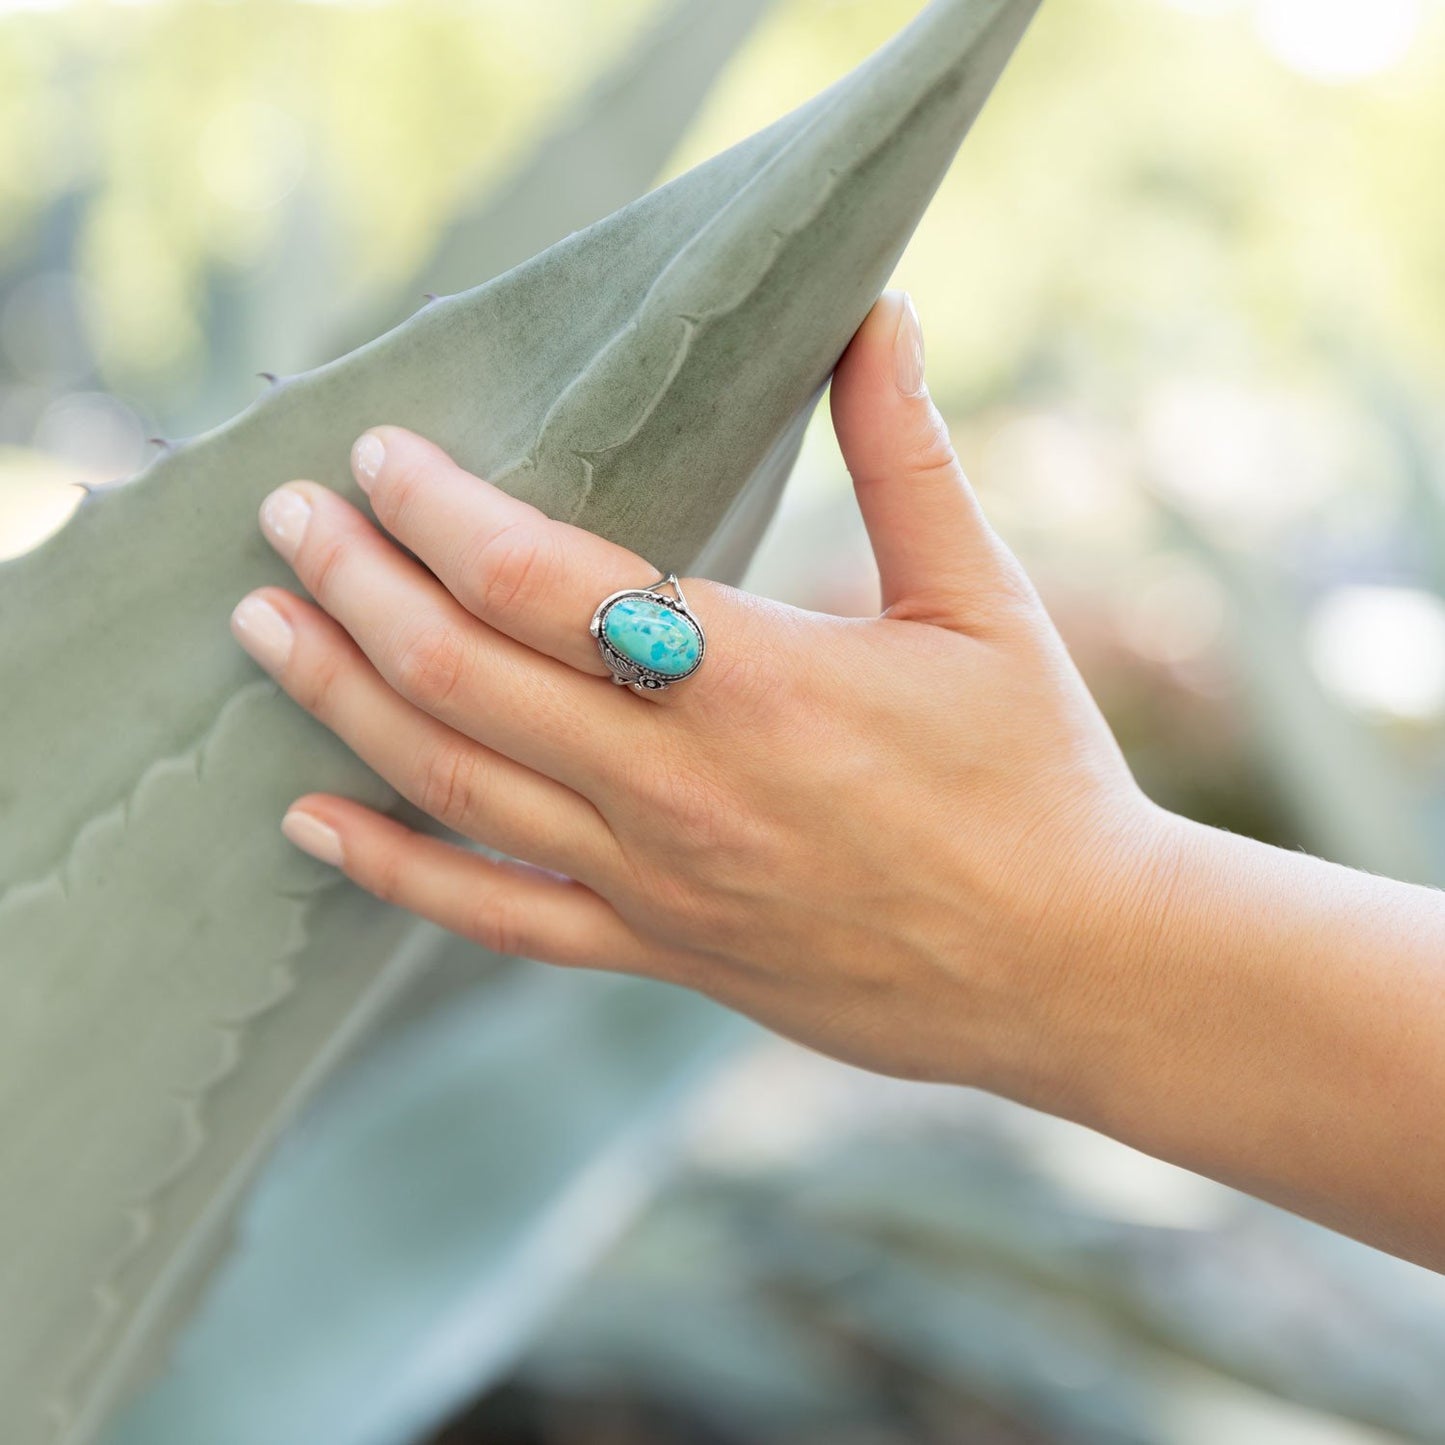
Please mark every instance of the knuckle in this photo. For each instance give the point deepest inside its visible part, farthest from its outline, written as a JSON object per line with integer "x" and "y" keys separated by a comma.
{"x": 327, "y": 557}
{"x": 670, "y": 905}
{"x": 403, "y": 485}
{"x": 714, "y": 857}
{"x": 433, "y": 665}
{"x": 930, "y": 450}
{"x": 712, "y": 916}
{"x": 448, "y": 786}
{"x": 681, "y": 795}
{"x": 507, "y": 569}
{"x": 387, "y": 878}
{"x": 318, "y": 685}
{"x": 498, "y": 923}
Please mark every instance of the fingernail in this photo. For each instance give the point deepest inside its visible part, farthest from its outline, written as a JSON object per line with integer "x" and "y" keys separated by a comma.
{"x": 284, "y": 515}
{"x": 312, "y": 836}
{"x": 263, "y": 632}
{"x": 908, "y": 350}
{"x": 366, "y": 458}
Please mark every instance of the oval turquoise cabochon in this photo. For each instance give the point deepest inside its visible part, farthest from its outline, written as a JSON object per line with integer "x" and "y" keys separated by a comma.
{"x": 652, "y": 635}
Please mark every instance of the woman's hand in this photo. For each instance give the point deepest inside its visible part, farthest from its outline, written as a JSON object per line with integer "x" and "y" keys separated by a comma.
{"x": 908, "y": 840}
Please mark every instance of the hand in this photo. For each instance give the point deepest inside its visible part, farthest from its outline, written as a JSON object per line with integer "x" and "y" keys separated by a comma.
{"x": 909, "y": 841}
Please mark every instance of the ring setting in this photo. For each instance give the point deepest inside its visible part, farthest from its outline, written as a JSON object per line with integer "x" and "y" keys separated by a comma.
{"x": 648, "y": 639}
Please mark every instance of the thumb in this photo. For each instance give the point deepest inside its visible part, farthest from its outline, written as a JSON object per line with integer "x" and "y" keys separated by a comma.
{"x": 938, "y": 558}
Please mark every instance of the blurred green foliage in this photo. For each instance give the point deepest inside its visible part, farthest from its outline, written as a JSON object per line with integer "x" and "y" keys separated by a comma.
{"x": 1148, "y": 184}
{"x": 930, "y": 1275}
{"x": 192, "y": 131}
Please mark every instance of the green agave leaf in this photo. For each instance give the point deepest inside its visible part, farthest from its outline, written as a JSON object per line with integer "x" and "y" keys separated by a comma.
{"x": 1264, "y": 1298}
{"x": 945, "y": 1251}
{"x": 174, "y": 977}
{"x": 716, "y": 1346}
{"x": 389, "y": 1266}
{"x": 580, "y": 1126}
{"x": 732, "y": 1300}
{"x": 604, "y": 150}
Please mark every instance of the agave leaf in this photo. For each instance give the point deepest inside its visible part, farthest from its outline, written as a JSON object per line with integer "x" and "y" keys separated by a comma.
{"x": 602, "y": 152}
{"x": 583, "y": 1123}
{"x": 605, "y": 149}
{"x": 946, "y": 1252}
{"x": 390, "y": 1267}
{"x": 1264, "y": 1297}
{"x": 174, "y": 977}
{"x": 722, "y": 1257}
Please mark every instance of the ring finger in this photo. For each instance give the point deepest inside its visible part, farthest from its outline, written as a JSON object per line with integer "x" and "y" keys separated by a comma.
{"x": 508, "y": 563}
{"x": 441, "y": 658}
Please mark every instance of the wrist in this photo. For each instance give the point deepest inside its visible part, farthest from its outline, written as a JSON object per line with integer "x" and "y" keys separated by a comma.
{"x": 1259, "y": 1016}
{"x": 1108, "y": 956}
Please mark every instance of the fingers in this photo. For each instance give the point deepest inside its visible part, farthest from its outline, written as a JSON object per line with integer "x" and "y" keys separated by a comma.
{"x": 469, "y": 788}
{"x": 475, "y": 679}
{"x": 507, "y": 906}
{"x": 504, "y": 560}
{"x": 509, "y": 564}
{"x": 938, "y": 558}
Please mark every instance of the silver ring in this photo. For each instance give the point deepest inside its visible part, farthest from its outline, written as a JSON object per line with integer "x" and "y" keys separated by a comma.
{"x": 647, "y": 639}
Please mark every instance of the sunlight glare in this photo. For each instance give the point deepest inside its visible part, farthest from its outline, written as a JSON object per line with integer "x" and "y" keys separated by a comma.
{"x": 1336, "y": 40}
{"x": 1381, "y": 649}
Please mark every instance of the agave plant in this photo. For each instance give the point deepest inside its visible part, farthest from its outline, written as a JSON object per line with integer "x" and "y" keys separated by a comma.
{"x": 603, "y": 151}
{"x": 175, "y": 979}
{"x": 909, "y": 1282}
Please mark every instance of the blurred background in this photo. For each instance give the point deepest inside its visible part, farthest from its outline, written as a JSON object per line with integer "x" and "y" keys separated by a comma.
{"x": 1184, "y": 300}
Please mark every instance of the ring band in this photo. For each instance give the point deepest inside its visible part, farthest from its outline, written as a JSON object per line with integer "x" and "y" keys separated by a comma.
{"x": 647, "y": 639}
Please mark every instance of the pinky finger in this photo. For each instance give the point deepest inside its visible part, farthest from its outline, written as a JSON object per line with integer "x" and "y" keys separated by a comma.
{"x": 510, "y": 907}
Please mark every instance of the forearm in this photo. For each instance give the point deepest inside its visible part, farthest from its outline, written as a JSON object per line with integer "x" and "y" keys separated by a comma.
{"x": 1279, "y": 1025}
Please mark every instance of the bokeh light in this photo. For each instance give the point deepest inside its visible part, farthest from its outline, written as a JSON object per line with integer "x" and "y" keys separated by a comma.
{"x": 1381, "y": 649}
{"x": 1337, "y": 40}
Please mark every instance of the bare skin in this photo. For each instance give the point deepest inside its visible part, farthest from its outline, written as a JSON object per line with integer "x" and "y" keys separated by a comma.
{"x": 908, "y": 841}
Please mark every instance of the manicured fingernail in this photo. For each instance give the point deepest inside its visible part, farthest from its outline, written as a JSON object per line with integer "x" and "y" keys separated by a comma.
{"x": 366, "y": 458}
{"x": 313, "y": 836}
{"x": 263, "y": 632}
{"x": 284, "y": 515}
{"x": 908, "y": 350}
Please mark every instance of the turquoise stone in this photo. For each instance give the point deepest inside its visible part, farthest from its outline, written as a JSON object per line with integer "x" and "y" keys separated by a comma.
{"x": 652, "y": 635}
